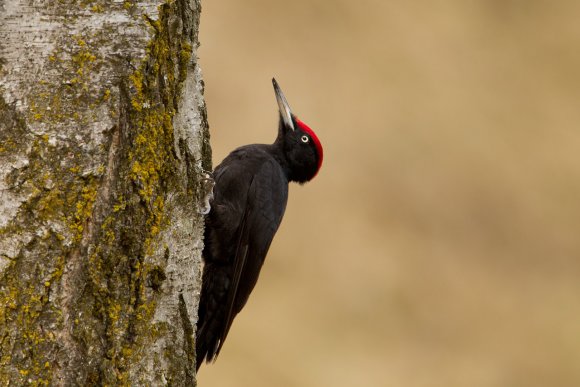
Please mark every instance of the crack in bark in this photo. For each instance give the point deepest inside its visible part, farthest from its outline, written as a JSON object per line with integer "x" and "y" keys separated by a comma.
{"x": 76, "y": 269}
{"x": 188, "y": 341}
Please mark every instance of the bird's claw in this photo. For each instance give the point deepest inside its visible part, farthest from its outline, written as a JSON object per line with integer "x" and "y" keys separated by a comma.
{"x": 206, "y": 192}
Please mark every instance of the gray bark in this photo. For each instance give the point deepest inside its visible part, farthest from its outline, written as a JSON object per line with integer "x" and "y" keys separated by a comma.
{"x": 103, "y": 144}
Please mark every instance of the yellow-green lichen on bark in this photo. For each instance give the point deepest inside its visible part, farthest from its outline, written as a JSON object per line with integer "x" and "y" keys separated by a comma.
{"x": 54, "y": 198}
{"x": 93, "y": 210}
{"x": 121, "y": 265}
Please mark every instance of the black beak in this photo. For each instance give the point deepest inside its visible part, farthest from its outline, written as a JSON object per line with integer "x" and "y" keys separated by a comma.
{"x": 283, "y": 106}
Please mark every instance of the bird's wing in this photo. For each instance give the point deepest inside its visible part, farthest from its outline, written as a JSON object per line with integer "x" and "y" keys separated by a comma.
{"x": 266, "y": 202}
{"x": 239, "y": 264}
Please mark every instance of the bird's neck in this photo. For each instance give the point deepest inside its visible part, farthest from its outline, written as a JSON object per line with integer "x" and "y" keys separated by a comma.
{"x": 277, "y": 151}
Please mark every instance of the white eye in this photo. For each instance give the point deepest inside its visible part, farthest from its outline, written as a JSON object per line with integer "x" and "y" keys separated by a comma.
{"x": 304, "y": 139}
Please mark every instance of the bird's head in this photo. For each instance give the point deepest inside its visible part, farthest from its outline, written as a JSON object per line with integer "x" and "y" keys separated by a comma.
{"x": 302, "y": 148}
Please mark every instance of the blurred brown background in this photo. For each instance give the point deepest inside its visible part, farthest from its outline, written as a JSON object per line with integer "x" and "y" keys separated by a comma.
{"x": 439, "y": 245}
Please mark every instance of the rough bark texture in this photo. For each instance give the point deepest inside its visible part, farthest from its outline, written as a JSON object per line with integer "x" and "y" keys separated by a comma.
{"x": 103, "y": 143}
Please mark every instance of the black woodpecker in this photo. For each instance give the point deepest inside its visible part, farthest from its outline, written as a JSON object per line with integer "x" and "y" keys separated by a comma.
{"x": 249, "y": 199}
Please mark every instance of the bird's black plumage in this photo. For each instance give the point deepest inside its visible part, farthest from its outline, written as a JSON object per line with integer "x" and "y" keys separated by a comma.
{"x": 250, "y": 196}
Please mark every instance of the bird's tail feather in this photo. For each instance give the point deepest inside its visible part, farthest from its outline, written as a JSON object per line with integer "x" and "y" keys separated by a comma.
{"x": 212, "y": 314}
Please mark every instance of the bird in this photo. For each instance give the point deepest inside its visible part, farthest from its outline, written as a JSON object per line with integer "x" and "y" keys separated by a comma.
{"x": 249, "y": 199}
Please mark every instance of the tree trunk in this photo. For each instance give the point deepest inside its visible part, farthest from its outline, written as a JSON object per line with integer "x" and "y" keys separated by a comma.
{"x": 103, "y": 144}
